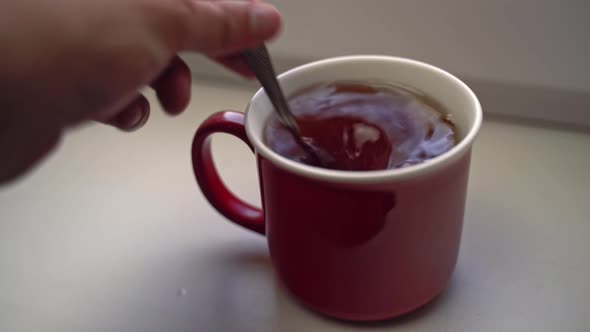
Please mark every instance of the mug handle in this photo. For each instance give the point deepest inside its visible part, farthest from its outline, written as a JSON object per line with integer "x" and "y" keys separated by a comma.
{"x": 222, "y": 199}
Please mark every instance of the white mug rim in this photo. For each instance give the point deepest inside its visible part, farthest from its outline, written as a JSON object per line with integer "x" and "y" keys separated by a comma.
{"x": 369, "y": 177}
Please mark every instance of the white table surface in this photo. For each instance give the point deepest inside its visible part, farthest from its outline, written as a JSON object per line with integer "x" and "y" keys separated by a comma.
{"x": 112, "y": 234}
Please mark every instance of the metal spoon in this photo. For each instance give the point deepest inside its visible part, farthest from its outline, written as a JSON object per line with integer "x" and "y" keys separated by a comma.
{"x": 258, "y": 60}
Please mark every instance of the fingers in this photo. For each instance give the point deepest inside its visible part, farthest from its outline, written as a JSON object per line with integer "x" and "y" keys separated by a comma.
{"x": 219, "y": 28}
{"x": 132, "y": 117}
{"x": 235, "y": 63}
{"x": 216, "y": 28}
{"x": 173, "y": 87}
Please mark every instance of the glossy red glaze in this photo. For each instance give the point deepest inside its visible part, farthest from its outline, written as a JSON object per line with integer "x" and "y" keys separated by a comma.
{"x": 350, "y": 252}
{"x": 364, "y": 254}
{"x": 210, "y": 182}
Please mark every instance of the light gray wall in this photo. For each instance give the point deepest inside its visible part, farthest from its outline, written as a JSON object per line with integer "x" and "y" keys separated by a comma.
{"x": 527, "y": 58}
{"x": 541, "y": 42}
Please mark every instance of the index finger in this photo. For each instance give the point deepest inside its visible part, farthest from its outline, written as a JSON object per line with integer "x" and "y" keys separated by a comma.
{"x": 222, "y": 27}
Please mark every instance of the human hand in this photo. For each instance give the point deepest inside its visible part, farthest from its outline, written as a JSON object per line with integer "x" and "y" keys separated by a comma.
{"x": 68, "y": 61}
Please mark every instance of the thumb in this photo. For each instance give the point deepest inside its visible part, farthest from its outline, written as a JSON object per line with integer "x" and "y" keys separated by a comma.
{"x": 222, "y": 27}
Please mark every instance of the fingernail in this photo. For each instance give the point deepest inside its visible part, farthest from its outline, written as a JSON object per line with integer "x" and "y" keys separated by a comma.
{"x": 264, "y": 20}
{"x": 137, "y": 119}
{"x": 145, "y": 115}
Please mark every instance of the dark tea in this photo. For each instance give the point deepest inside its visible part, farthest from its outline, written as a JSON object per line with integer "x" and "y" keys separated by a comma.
{"x": 364, "y": 127}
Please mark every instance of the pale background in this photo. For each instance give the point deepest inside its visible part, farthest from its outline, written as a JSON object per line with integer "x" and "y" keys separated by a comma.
{"x": 525, "y": 58}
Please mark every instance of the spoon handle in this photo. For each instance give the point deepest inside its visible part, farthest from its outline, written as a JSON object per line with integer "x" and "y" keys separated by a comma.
{"x": 259, "y": 62}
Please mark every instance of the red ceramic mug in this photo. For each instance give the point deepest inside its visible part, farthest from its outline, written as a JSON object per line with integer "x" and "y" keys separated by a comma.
{"x": 353, "y": 245}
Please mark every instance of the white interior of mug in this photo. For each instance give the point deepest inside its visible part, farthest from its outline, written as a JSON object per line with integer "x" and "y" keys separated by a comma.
{"x": 456, "y": 98}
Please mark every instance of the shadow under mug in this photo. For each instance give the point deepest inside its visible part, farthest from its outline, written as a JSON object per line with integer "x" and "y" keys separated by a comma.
{"x": 353, "y": 245}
